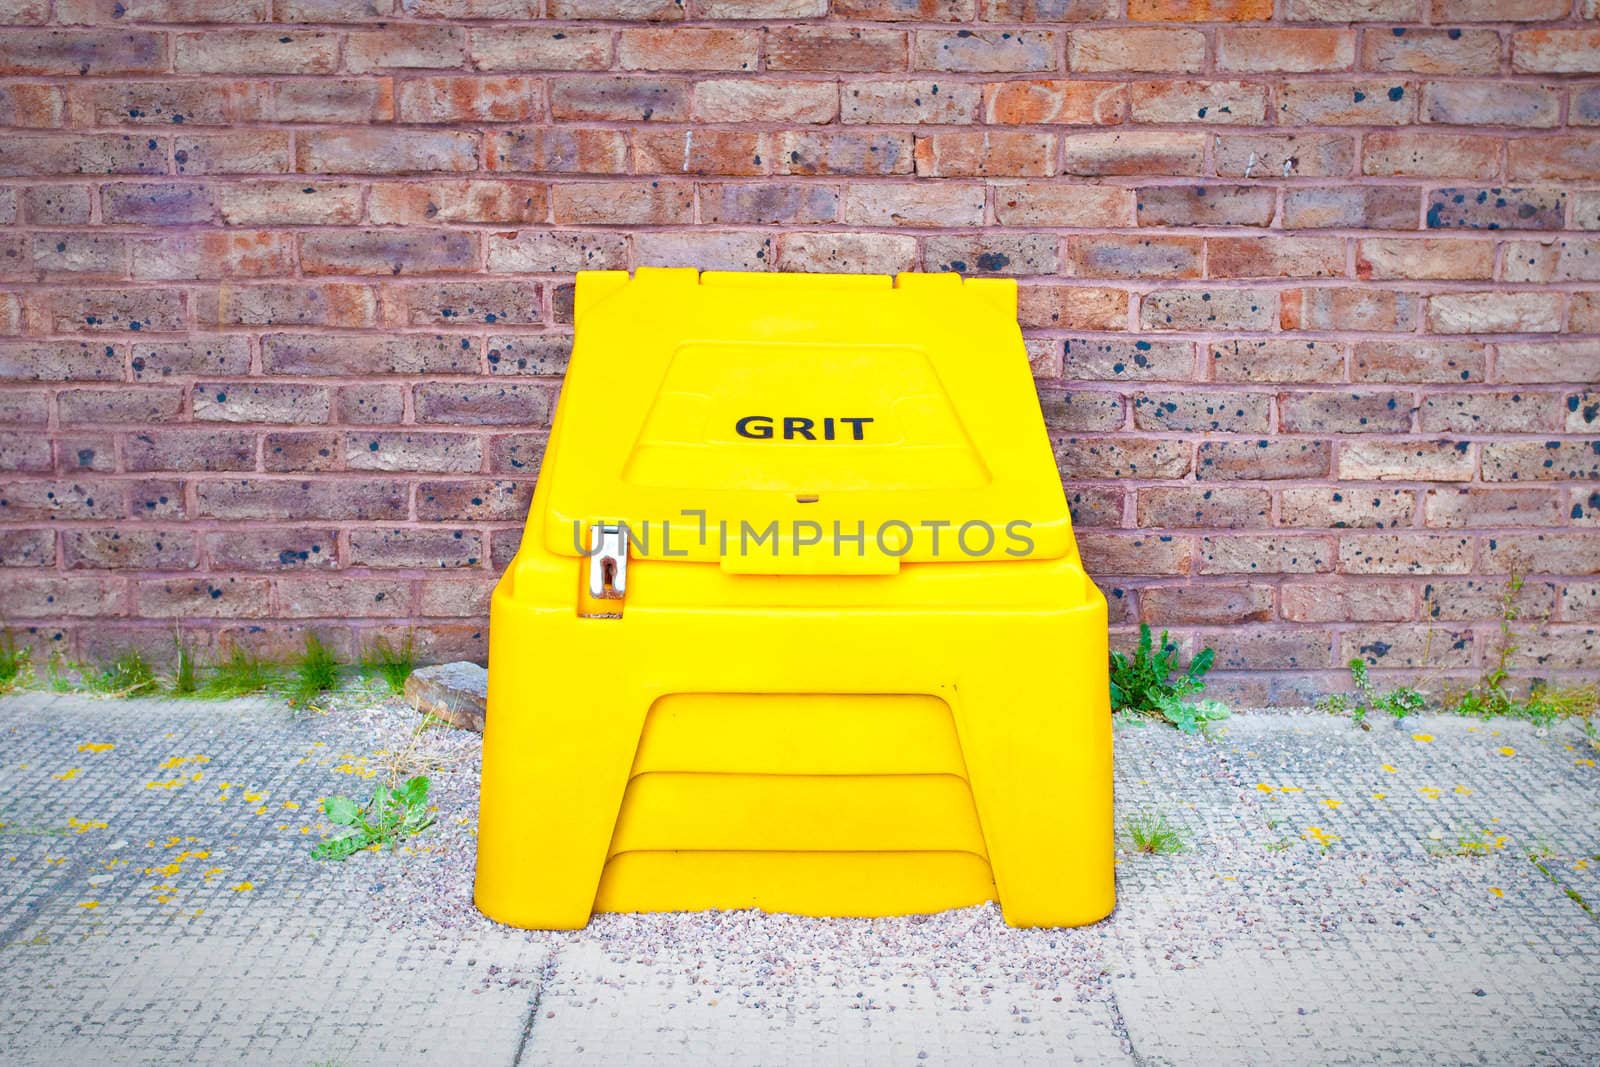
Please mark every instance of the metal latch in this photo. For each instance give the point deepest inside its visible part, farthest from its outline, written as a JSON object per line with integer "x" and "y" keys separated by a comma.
{"x": 608, "y": 561}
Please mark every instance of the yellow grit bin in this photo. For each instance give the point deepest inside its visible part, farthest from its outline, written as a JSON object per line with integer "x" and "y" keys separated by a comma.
{"x": 798, "y": 621}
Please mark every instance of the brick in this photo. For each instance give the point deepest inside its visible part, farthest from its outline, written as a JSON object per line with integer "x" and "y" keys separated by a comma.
{"x": 26, "y": 501}
{"x": 1263, "y": 459}
{"x": 906, "y": 10}
{"x": 474, "y": 500}
{"x": 127, "y": 404}
{"x": 1212, "y": 604}
{"x": 1078, "y": 307}
{"x": 1406, "y": 461}
{"x": 1560, "y": 157}
{"x": 264, "y": 402}
{"x": 1135, "y": 554}
{"x": 1214, "y": 103}
{"x": 1405, "y": 553}
{"x": 1575, "y": 552}
{"x": 359, "y": 100}
{"x": 715, "y": 152}
{"x": 1135, "y": 49}
{"x": 558, "y": 151}
{"x": 767, "y": 9}
{"x": 1479, "y": 508}
{"x": 1208, "y": 309}
{"x": 41, "y": 107}
{"x": 79, "y": 254}
{"x": 412, "y": 451}
{"x": 856, "y": 253}
{"x": 1346, "y": 507}
{"x": 593, "y": 97}
{"x": 387, "y": 252}
{"x": 455, "y": 599}
{"x": 1327, "y": 308}
{"x": 1496, "y": 209}
{"x": 1270, "y": 554}
{"x": 325, "y": 596}
{"x": 1556, "y": 51}
{"x": 1489, "y": 103}
{"x": 377, "y": 151}
{"x": 1135, "y": 153}
{"x": 768, "y": 203}
{"x": 543, "y": 354}
{"x": 156, "y": 500}
{"x": 59, "y": 361}
{"x": 1585, "y": 107}
{"x": 1580, "y": 601}
{"x": 1134, "y": 256}
{"x": 274, "y": 549}
{"x": 993, "y": 254}
{"x": 322, "y": 304}
{"x": 1430, "y": 155}
{"x": 240, "y": 51}
{"x": 1326, "y": 602}
{"x": 405, "y": 47}
{"x": 294, "y": 452}
{"x": 151, "y": 103}
{"x": 1216, "y": 412}
{"x": 1408, "y": 647}
{"x": 1213, "y": 507}
{"x": 241, "y": 152}
{"x": 212, "y": 254}
{"x": 1315, "y": 155}
{"x": 1561, "y": 260}
{"x": 54, "y": 205}
{"x": 1423, "y": 258}
{"x": 1345, "y": 412}
{"x": 1275, "y": 257}
{"x": 1095, "y": 506}
{"x": 913, "y": 204}
{"x": 483, "y": 403}
{"x": 24, "y": 407}
{"x": 1420, "y": 51}
{"x": 1494, "y": 312}
{"x": 537, "y": 48}
{"x": 517, "y": 453}
{"x": 1048, "y": 10}
{"x": 81, "y": 453}
{"x": 1496, "y": 412}
{"x": 536, "y": 251}
{"x": 280, "y": 499}
{"x": 1119, "y": 358}
{"x": 141, "y": 549}
{"x": 470, "y": 99}
{"x": 1199, "y": 10}
{"x": 677, "y": 48}
{"x": 29, "y": 597}
{"x": 1541, "y": 461}
{"x": 98, "y": 310}
{"x": 1497, "y": 10}
{"x": 81, "y": 53}
{"x": 1275, "y": 360}
{"x": 1413, "y": 361}
{"x": 1205, "y": 205}
{"x": 465, "y": 302}
{"x": 1361, "y": 103}
{"x": 322, "y": 355}
{"x": 916, "y": 101}
{"x": 288, "y": 203}
{"x": 1110, "y": 457}
{"x": 1582, "y": 412}
{"x": 156, "y": 204}
{"x": 1281, "y": 49}
{"x": 27, "y": 548}
{"x": 1583, "y": 314}
{"x": 1054, "y": 203}
{"x": 851, "y": 49}
{"x": 653, "y": 202}
{"x": 360, "y": 405}
{"x": 25, "y": 452}
{"x": 707, "y": 249}
{"x": 466, "y": 200}
{"x": 642, "y": 10}
{"x": 1542, "y": 361}
{"x": 806, "y": 152}
{"x": 986, "y": 51}
{"x": 986, "y": 154}
{"x": 48, "y": 154}
{"x": 213, "y": 597}
{"x": 1059, "y": 102}
{"x": 190, "y": 450}
{"x": 763, "y": 100}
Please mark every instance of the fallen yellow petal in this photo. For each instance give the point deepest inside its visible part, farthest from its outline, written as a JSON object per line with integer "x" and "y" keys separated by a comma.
{"x": 1422, "y": 737}
{"x": 96, "y": 746}
{"x": 1506, "y": 750}
{"x": 1497, "y": 891}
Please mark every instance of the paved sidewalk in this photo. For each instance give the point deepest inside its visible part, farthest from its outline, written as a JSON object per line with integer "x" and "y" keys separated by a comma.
{"x": 157, "y": 903}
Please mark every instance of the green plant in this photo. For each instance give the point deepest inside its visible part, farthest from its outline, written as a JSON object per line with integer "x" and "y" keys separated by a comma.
{"x": 390, "y": 815}
{"x": 1492, "y": 697}
{"x": 127, "y": 676}
{"x": 1151, "y": 834}
{"x": 185, "y": 679}
{"x": 61, "y": 676}
{"x": 1398, "y": 702}
{"x": 393, "y": 664}
{"x": 1154, "y": 683}
{"x": 13, "y": 660}
{"x": 316, "y": 672}
{"x": 241, "y": 674}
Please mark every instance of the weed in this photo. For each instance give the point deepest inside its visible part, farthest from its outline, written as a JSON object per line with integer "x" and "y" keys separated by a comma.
{"x": 1398, "y": 702}
{"x": 1472, "y": 843}
{"x": 315, "y": 672}
{"x": 185, "y": 679}
{"x": 1154, "y": 683}
{"x": 127, "y": 676}
{"x": 1491, "y": 696}
{"x": 393, "y": 665}
{"x": 1282, "y": 844}
{"x": 61, "y": 676}
{"x": 13, "y": 660}
{"x": 239, "y": 675}
{"x": 390, "y": 815}
{"x": 1151, "y": 834}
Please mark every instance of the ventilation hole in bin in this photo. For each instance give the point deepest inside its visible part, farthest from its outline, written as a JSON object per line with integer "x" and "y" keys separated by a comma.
{"x": 806, "y": 498}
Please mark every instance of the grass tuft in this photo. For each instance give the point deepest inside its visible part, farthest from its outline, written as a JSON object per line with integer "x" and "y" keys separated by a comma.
{"x": 1150, "y": 833}
{"x": 241, "y": 674}
{"x": 315, "y": 672}
{"x": 13, "y": 660}
{"x": 394, "y": 665}
{"x": 127, "y": 676}
{"x": 186, "y": 679}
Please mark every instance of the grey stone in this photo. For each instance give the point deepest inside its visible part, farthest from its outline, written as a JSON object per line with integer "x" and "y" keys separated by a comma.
{"x": 455, "y": 692}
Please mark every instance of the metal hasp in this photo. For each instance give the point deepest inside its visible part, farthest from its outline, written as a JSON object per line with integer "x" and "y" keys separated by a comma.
{"x": 608, "y": 561}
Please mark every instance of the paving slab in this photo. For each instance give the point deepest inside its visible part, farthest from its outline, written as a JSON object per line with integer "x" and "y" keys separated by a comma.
{"x": 1410, "y": 893}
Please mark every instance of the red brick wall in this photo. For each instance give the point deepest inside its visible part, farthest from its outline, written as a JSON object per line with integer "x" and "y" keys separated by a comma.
{"x": 285, "y": 289}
